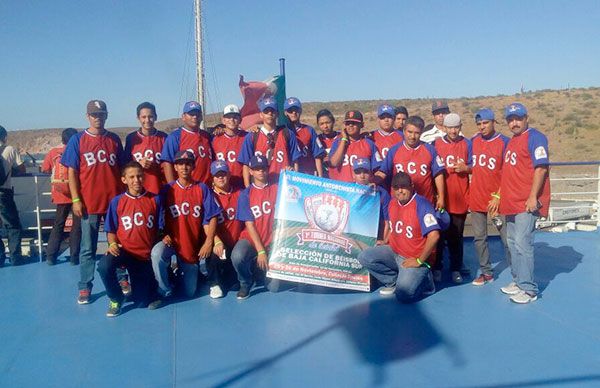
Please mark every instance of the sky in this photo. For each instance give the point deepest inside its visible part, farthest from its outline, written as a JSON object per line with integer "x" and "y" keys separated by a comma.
{"x": 57, "y": 55}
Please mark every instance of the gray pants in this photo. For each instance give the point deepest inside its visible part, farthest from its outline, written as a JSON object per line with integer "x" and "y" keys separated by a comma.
{"x": 480, "y": 235}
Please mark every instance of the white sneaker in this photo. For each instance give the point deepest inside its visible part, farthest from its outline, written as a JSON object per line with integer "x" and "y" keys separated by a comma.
{"x": 387, "y": 290}
{"x": 216, "y": 292}
{"x": 437, "y": 275}
{"x": 523, "y": 297}
{"x": 456, "y": 277}
{"x": 510, "y": 289}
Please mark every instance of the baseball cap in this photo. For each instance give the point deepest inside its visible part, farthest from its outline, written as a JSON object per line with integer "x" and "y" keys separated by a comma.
{"x": 3, "y": 132}
{"x": 191, "y": 106}
{"x": 363, "y": 163}
{"x": 258, "y": 161}
{"x": 439, "y": 105}
{"x": 184, "y": 156}
{"x": 402, "y": 109}
{"x": 485, "y": 114}
{"x": 515, "y": 109}
{"x": 385, "y": 109}
{"x": 452, "y": 120}
{"x": 231, "y": 109}
{"x": 96, "y": 106}
{"x": 353, "y": 116}
{"x": 268, "y": 102}
{"x": 292, "y": 102}
{"x": 218, "y": 166}
{"x": 443, "y": 218}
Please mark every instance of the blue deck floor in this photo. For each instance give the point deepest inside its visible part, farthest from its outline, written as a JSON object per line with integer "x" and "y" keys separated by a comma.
{"x": 462, "y": 336}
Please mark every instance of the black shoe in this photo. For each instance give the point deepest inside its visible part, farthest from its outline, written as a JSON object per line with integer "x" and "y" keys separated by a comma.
{"x": 74, "y": 261}
{"x": 50, "y": 262}
{"x": 243, "y": 293}
{"x": 160, "y": 303}
{"x": 17, "y": 261}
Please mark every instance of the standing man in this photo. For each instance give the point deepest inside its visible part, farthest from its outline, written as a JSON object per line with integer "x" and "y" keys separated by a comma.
{"x": 277, "y": 144}
{"x": 191, "y": 138}
{"x": 10, "y": 161}
{"x": 351, "y": 145}
{"x": 93, "y": 157}
{"x": 439, "y": 110}
{"x": 228, "y": 144}
{"x": 385, "y": 137}
{"x": 401, "y": 116}
{"x": 524, "y": 197}
{"x": 488, "y": 156}
{"x": 145, "y": 146}
{"x": 61, "y": 197}
{"x": 403, "y": 264}
{"x": 311, "y": 161}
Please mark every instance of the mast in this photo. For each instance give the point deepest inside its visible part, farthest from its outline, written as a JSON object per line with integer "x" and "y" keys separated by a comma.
{"x": 199, "y": 57}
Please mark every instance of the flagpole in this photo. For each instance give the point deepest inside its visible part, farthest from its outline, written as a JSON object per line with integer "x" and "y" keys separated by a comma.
{"x": 199, "y": 57}
{"x": 282, "y": 66}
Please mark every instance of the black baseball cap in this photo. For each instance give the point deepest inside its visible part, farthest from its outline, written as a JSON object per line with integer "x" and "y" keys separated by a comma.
{"x": 353, "y": 116}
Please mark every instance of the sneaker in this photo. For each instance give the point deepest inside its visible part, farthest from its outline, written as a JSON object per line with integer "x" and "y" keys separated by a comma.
{"x": 114, "y": 309}
{"x": 74, "y": 261}
{"x": 387, "y": 290}
{"x": 437, "y": 275}
{"x": 482, "y": 279}
{"x": 216, "y": 292}
{"x": 125, "y": 287}
{"x": 84, "y": 297}
{"x": 523, "y": 297}
{"x": 158, "y": 303}
{"x": 457, "y": 277}
{"x": 510, "y": 289}
{"x": 243, "y": 293}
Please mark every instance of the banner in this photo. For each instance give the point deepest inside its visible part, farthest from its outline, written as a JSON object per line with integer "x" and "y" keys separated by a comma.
{"x": 321, "y": 226}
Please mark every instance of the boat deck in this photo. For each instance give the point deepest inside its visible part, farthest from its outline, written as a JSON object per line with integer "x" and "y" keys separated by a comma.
{"x": 462, "y": 336}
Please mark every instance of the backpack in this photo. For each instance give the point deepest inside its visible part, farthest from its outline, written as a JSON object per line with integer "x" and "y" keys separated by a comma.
{"x": 3, "y": 173}
{"x": 59, "y": 179}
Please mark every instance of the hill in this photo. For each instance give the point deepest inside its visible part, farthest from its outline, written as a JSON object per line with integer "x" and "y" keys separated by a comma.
{"x": 567, "y": 117}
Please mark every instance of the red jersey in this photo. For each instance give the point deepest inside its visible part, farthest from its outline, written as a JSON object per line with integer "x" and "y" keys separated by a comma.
{"x": 258, "y": 204}
{"x": 59, "y": 178}
{"x": 310, "y": 148}
{"x": 409, "y": 226}
{"x": 135, "y": 222}
{"x": 229, "y": 228}
{"x": 187, "y": 209}
{"x": 228, "y": 148}
{"x": 422, "y": 164}
{"x": 139, "y": 146}
{"x": 327, "y": 141}
{"x": 384, "y": 141}
{"x": 196, "y": 142}
{"x": 488, "y": 155}
{"x": 363, "y": 148}
{"x": 457, "y": 185}
{"x": 523, "y": 154}
{"x": 97, "y": 159}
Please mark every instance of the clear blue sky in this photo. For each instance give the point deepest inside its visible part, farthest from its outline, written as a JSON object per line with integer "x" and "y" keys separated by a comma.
{"x": 57, "y": 55}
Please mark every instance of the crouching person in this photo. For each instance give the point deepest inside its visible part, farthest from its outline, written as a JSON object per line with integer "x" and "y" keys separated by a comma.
{"x": 131, "y": 225}
{"x": 403, "y": 263}
{"x": 190, "y": 220}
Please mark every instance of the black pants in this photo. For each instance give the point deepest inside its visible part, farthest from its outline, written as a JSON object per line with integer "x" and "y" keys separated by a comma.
{"x": 56, "y": 236}
{"x": 453, "y": 238}
{"x": 141, "y": 276}
{"x": 9, "y": 216}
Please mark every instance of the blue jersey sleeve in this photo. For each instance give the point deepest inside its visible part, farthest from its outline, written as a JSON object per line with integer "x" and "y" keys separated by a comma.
{"x": 171, "y": 146}
{"x": 334, "y": 146}
{"x": 70, "y": 157}
{"x": 247, "y": 150}
{"x": 538, "y": 148}
{"x": 384, "y": 201}
{"x": 426, "y": 215}
{"x": 376, "y": 159}
{"x": 111, "y": 222}
{"x": 316, "y": 146}
{"x": 469, "y": 160}
{"x": 387, "y": 166}
{"x": 211, "y": 208}
{"x": 243, "y": 212}
{"x": 437, "y": 164}
{"x": 293, "y": 149}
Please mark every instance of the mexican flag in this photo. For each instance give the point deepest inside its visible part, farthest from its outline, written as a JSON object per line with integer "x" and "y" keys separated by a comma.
{"x": 254, "y": 91}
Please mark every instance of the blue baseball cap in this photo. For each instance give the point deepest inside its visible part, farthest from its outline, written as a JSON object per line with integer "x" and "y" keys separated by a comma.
{"x": 191, "y": 106}
{"x": 515, "y": 109}
{"x": 361, "y": 163}
{"x": 485, "y": 114}
{"x": 268, "y": 102}
{"x": 386, "y": 109}
{"x": 292, "y": 102}
{"x": 218, "y": 166}
{"x": 184, "y": 156}
{"x": 443, "y": 218}
{"x": 258, "y": 161}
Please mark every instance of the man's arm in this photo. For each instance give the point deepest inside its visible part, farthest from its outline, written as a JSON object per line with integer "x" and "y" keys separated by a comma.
{"x": 440, "y": 185}
{"x": 209, "y": 230}
{"x": 319, "y": 166}
{"x": 113, "y": 244}
{"x": 430, "y": 244}
{"x": 337, "y": 157}
{"x": 74, "y": 187}
{"x": 539, "y": 176}
{"x": 246, "y": 175}
{"x": 169, "y": 171}
{"x": 261, "y": 258}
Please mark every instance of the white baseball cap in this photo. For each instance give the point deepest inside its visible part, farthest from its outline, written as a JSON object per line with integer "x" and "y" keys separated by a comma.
{"x": 231, "y": 108}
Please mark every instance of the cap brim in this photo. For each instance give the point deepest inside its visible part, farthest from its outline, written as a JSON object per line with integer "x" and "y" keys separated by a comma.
{"x": 353, "y": 121}
{"x": 184, "y": 160}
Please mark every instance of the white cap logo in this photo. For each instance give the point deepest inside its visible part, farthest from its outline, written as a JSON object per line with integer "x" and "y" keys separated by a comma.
{"x": 97, "y": 103}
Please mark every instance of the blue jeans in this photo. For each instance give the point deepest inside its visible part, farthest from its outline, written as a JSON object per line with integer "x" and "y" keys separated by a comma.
{"x": 161, "y": 264}
{"x": 243, "y": 258}
{"x": 519, "y": 236}
{"x": 87, "y": 253}
{"x": 412, "y": 284}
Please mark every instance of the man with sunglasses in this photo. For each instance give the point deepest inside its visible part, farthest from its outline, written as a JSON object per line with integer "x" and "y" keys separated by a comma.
{"x": 276, "y": 144}
{"x": 93, "y": 158}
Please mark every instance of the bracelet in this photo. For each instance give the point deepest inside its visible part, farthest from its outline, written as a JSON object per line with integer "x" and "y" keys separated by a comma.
{"x": 345, "y": 139}
{"x": 219, "y": 243}
{"x": 76, "y": 200}
{"x": 496, "y": 195}
{"x": 112, "y": 243}
{"x": 261, "y": 251}
{"x": 423, "y": 263}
